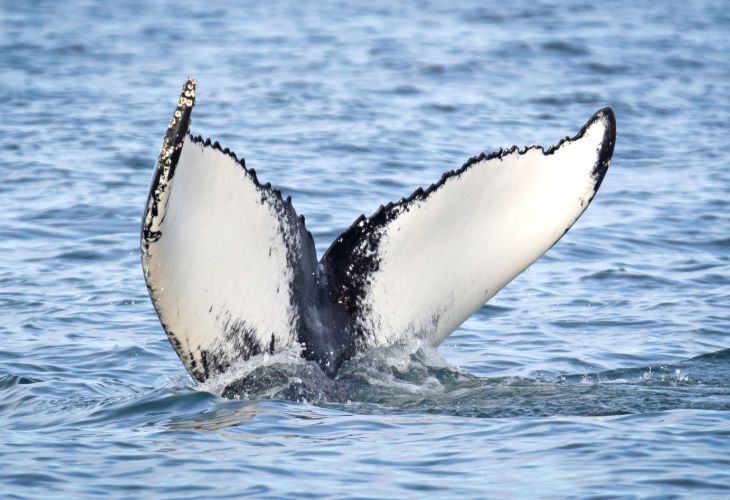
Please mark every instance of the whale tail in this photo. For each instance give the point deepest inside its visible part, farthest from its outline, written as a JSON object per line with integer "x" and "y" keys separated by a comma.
{"x": 232, "y": 270}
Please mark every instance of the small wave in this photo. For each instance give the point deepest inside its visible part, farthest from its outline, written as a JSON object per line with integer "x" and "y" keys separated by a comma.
{"x": 282, "y": 375}
{"x": 413, "y": 377}
{"x": 565, "y": 47}
{"x": 7, "y": 381}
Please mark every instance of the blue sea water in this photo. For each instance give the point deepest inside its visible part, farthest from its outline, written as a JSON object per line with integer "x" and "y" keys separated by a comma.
{"x": 603, "y": 371}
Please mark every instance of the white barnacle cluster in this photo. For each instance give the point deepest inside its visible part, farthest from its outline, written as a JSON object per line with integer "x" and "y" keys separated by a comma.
{"x": 186, "y": 100}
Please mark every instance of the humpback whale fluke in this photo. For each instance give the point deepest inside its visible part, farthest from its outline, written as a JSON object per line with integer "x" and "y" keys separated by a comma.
{"x": 232, "y": 270}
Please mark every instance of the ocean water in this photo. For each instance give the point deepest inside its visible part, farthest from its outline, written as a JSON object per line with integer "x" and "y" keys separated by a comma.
{"x": 602, "y": 371}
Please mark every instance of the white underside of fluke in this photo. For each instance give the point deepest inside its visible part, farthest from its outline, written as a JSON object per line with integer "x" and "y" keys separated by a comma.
{"x": 219, "y": 269}
{"x": 443, "y": 257}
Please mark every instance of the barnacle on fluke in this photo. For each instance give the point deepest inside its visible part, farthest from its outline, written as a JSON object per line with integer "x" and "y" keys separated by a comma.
{"x": 232, "y": 270}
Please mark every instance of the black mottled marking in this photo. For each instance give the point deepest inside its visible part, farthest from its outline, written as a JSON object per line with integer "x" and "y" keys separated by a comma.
{"x": 213, "y": 362}
{"x": 241, "y": 337}
{"x": 206, "y": 364}
{"x": 237, "y": 337}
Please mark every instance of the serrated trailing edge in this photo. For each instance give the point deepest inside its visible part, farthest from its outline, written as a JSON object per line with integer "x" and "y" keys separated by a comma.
{"x": 264, "y": 188}
{"x": 600, "y": 169}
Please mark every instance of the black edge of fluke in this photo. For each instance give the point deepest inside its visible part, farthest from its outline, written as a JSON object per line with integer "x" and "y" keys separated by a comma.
{"x": 177, "y": 129}
{"x": 607, "y": 145}
{"x": 167, "y": 160}
{"x": 179, "y": 125}
{"x": 604, "y": 154}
